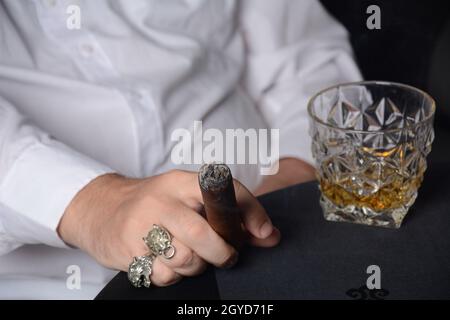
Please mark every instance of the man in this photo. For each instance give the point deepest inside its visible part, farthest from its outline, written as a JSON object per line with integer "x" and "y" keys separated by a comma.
{"x": 86, "y": 117}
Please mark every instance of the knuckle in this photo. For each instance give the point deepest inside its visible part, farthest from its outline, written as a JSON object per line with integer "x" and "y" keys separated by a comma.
{"x": 176, "y": 173}
{"x": 165, "y": 277}
{"x": 185, "y": 258}
{"x": 181, "y": 176}
{"x": 196, "y": 229}
{"x": 200, "y": 267}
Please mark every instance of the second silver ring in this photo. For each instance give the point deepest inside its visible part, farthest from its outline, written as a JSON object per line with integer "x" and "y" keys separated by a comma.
{"x": 159, "y": 241}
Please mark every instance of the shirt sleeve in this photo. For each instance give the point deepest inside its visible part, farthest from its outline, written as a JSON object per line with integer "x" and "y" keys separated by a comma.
{"x": 295, "y": 49}
{"x": 39, "y": 176}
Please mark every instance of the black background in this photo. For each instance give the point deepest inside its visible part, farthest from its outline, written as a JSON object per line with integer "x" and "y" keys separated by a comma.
{"x": 402, "y": 49}
{"x": 412, "y": 47}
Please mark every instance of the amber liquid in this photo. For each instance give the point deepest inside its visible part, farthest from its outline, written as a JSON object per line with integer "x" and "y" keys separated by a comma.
{"x": 396, "y": 191}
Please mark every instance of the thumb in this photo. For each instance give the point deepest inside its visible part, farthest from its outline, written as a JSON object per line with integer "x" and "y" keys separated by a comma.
{"x": 254, "y": 216}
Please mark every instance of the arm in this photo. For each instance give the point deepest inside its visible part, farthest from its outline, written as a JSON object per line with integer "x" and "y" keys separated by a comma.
{"x": 53, "y": 195}
{"x": 38, "y": 178}
{"x": 295, "y": 48}
{"x": 291, "y": 171}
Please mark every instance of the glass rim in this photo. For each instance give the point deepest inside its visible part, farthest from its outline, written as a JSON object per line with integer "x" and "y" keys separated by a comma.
{"x": 315, "y": 118}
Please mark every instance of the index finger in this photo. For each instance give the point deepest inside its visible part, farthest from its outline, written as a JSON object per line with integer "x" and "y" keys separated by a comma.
{"x": 195, "y": 232}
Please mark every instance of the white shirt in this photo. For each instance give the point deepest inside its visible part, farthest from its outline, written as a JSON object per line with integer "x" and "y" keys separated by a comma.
{"x": 75, "y": 104}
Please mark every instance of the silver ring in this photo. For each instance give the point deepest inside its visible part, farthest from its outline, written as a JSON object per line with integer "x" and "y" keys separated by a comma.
{"x": 140, "y": 270}
{"x": 159, "y": 241}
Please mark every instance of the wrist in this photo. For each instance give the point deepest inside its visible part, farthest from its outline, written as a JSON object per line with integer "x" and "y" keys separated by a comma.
{"x": 293, "y": 171}
{"x": 290, "y": 171}
{"x": 99, "y": 197}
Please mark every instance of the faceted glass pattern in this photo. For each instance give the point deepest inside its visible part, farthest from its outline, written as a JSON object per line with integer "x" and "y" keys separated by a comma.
{"x": 370, "y": 141}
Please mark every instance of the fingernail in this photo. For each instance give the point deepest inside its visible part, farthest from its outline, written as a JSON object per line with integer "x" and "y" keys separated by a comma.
{"x": 232, "y": 261}
{"x": 266, "y": 229}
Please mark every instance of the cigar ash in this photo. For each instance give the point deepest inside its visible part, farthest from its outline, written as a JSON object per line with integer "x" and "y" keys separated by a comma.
{"x": 214, "y": 177}
{"x": 220, "y": 205}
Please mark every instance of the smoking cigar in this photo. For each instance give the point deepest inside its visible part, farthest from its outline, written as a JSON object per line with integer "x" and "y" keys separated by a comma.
{"x": 222, "y": 211}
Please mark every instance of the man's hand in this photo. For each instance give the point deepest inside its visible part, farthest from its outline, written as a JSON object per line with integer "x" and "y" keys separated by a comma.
{"x": 291, "y": 171}
{"x": 110, "y": 216}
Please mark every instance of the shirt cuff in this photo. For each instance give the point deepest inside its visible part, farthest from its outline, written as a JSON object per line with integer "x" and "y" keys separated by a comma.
{"x": 38, "y": 188}
{"x": 295, "y": 141}
{"x": 292, "y": 121}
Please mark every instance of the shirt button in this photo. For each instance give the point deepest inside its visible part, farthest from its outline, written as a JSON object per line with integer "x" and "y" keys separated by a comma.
{"x": 86, "y": 50}
{"x": 141, "y": 95}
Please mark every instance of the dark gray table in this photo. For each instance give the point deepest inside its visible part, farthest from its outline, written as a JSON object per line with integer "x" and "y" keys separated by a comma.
{"x": 318, "y": 259}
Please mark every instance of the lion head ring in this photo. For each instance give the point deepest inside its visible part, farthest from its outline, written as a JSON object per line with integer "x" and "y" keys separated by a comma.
{"x": 140, "y": 270}
{"x": 159, "y": 241}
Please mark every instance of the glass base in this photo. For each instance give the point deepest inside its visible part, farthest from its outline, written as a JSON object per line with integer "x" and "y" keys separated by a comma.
{"x": 391, "y": 218}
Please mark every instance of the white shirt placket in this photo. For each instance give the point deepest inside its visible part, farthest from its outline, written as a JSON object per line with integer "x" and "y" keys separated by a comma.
{"x": 92, "y": 61}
